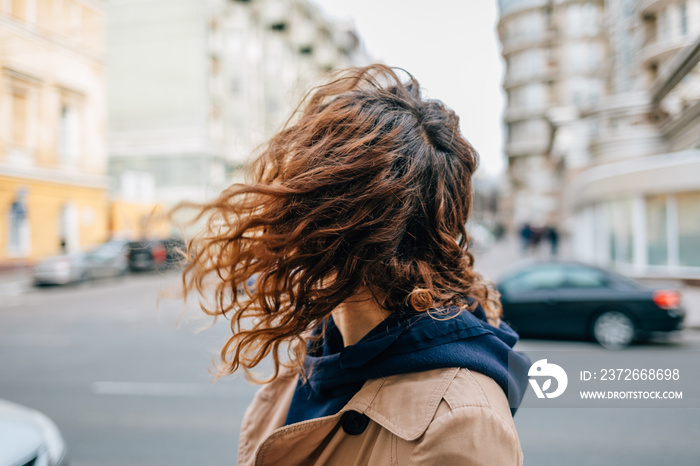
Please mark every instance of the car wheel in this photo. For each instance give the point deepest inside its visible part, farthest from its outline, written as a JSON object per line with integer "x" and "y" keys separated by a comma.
{"x": 613, "y": 330}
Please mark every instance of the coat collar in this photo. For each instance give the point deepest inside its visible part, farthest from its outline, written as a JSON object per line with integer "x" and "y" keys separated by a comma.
{"x": 384, "y": 401}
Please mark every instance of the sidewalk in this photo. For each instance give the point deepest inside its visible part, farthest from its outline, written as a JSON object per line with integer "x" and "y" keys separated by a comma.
{"x": 15, "y": 281}
{"x": 506, "y": 254}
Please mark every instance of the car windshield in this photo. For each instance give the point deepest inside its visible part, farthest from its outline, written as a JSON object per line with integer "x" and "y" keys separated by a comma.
{"x": 107, "y": 249}
{"x": 540, "y": 278}
{"x": 585, "y": 277}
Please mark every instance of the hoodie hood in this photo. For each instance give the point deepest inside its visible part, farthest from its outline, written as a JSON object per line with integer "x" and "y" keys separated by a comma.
{"x": 404, "y": 343}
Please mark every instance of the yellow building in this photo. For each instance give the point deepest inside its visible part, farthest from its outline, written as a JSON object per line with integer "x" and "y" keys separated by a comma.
{"x": 53, "y": 184}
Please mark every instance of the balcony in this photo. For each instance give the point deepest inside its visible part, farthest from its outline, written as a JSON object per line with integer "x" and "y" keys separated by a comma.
{"x": 523, "y": 112}
{"x": 652, "y": 6}
{"x": 275, "y": 14}
{"x": 520, "y": 78}
{"x": 529, "y": 146}
{"x": 630, "y": 144}
{"x": 508, "y": 7}
{"x": 662, "y": 50}
{"x": 523, "y": 41}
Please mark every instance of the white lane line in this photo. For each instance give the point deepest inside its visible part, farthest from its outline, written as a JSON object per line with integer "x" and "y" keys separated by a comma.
{"x": 153, "y": 389}
{"x": 43, "y": 341}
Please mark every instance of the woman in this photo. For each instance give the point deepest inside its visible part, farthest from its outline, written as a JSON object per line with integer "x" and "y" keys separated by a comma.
{"x": 345, "y": 260}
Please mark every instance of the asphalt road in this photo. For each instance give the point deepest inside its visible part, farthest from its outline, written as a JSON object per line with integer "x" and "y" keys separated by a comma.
{"x": 127, "y": 379}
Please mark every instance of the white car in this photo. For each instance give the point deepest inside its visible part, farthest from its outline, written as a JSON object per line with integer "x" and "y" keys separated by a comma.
{"x": 28, "y": 437}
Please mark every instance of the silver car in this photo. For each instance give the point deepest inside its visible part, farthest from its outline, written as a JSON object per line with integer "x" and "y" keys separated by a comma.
{"x": 61, "y": 270}
{"x": 106, "y": 260}
{"x": 29, "y": 437}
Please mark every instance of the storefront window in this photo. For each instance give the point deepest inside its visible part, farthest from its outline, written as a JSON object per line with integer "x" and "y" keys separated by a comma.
{"x": 657, "y": 238}
{"x": 621, "y": 231}
{"x": 689, "y": 228}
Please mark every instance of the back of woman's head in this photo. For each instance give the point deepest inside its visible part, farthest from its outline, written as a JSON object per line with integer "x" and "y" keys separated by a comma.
{"x": 367, "y": 189}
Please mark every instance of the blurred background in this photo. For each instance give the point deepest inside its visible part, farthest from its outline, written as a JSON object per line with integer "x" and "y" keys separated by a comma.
{"x": 586, "y": 114}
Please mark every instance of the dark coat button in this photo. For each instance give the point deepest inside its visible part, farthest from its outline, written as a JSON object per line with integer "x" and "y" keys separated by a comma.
{"x": 354, "y": 423}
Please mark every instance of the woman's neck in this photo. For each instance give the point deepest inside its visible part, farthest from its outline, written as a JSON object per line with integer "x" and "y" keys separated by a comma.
{"x": 357, "y": 316}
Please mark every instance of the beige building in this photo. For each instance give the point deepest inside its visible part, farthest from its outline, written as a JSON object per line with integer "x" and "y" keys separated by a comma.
{"x": 196, "y": 85}
{"x": 554, "y": 54}
{"x": 614, "y": 159}
{"x": 53, "y": 188}
{"x": 637, "y": 207}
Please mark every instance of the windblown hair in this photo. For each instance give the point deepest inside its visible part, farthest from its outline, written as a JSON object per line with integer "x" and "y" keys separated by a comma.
{"x": 367, "y": 188}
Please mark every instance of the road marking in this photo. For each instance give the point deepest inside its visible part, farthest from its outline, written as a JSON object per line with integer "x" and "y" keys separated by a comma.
{"x": 47, "y": 341}
{"x": 154, "y": 389}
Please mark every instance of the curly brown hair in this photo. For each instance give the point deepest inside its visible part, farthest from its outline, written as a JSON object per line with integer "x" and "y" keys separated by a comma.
{"x": 367, "y": 188}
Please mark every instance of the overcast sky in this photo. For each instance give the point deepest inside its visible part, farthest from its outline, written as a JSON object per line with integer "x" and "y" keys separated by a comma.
{"x": 450, "y": 46}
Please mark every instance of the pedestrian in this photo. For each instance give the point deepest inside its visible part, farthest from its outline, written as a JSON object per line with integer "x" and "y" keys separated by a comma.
{"x": 526, "y": 234}
{"x": 499, "y": 231}
{"x": 386, "y": 346}
{"x": 553, "y": 238}
{"x": 535, "y": 239}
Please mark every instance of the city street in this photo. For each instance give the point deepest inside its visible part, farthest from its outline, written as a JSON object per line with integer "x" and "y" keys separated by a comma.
{"x": 327, "y": 135}
{"x": 125, "y": 377}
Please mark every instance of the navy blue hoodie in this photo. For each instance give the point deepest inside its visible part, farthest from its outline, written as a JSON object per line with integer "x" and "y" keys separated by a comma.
{"x": 404, "y": 343}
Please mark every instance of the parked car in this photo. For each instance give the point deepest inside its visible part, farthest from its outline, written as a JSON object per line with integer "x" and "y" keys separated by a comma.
{"x": 577, "y": 301}
{"x": 106, "y": 260}
{"x": 28, "y": 437}
{"x": 175, "y": 249}
{"x": 60, "y": 270}
{"x": 109, "y": 259}
{"x": 155, "y": 254}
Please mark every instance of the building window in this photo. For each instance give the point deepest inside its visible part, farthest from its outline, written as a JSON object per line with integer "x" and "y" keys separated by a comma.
{"x": 18, "y": 244}
{"x": 656, "y": 230}
{"x": 20, "y": 130}
{"x": 532, "y": 96}
{"x": 582, "y": 19}
{"x": 663, "y": 25}
{"x": 19, "y": 9}
{"x": 20, "y": 117}
{"x": 683, "y": 11}
{"x": 580, "y": 91}
{"x": 689, "y": 228}
{"x": 584, "y": 57}
{"x": 621, "y": 241}
{"x": 527, "y": 63}
{"x": 68, "y": 134}
{"x": 69, "y": 228}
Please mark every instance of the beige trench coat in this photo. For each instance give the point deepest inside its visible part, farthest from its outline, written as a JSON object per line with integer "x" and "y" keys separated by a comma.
{"x": 439, "y": 417}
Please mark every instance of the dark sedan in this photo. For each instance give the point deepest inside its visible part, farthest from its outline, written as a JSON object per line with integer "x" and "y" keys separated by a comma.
{"x": 156, "y": 254}
{"x": 576, "y": 301}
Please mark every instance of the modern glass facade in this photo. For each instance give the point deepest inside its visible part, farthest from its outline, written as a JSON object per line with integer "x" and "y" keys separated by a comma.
{"x": 658, "y": 234}
{"x": 688, "y": 229}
